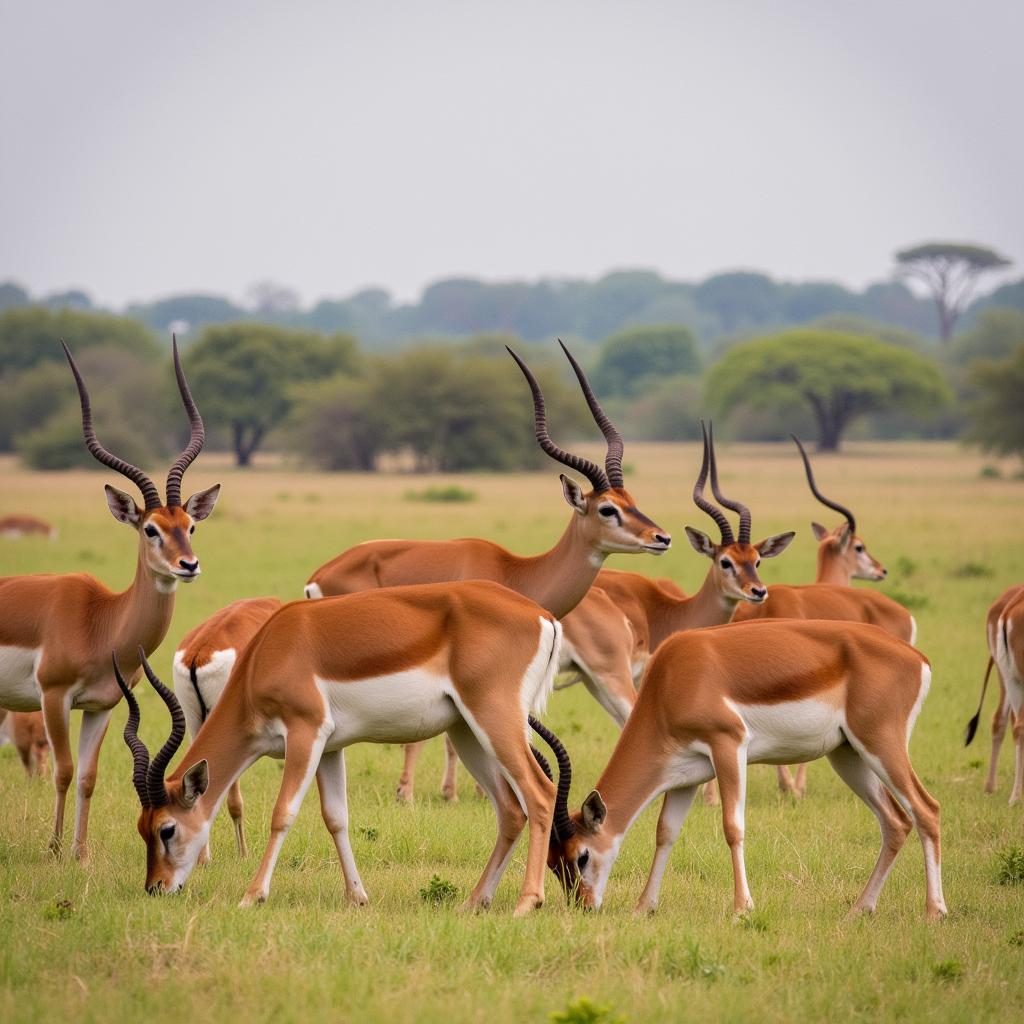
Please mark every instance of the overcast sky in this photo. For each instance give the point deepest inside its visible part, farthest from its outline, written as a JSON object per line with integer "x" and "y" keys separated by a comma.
{"x": 156, "y": 148}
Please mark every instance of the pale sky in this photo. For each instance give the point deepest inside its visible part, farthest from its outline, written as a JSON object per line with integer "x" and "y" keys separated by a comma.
{"x": 153, "y": 148}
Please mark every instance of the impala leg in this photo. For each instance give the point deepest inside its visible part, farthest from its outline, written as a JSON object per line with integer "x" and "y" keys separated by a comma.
{"x": 800, "y": 786}
{"x": 56, "y": 715}
{"x": 711, "y": 793}
{"x": 999, "y": 719}
{"x": 449, "y": 788}
{"x": 894, "y": 822}
{"x": 90, "y": 739}
{"x": 407, "y": 780}
{"x": 786, "y": 783}
{"x": 731, "y": 768}
{"x": 303, "y": 747}
{"x": 331, "y": 781}
{"x": 674, "y": 809}
{"x": 1018, "y": 736}
{"x": 236, "y": 807}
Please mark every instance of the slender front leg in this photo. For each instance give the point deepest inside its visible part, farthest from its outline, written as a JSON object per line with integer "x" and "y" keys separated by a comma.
{"x": 330, "y": 780}
{"x": 711, "y": 793}
{"x": 731, "y": 769}
{"x": 235, "y": 808}
{"x": 94, "y": 728}
{"x": 1018, "y": 735}
{"x": 800, "y": 786}
{"x": 674, "y": 810}
{"x": 56, "y": 714}
{"x": 303, "y": 747}
{"x": 449, "y": 787}
{"x": 1002, "y": 712}
{"x": 407, "y": 780}
{"x": 785, "y": 777}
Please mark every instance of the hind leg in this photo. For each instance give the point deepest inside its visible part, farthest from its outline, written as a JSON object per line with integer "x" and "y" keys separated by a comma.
{"x": 892, "y": 819}
{"x": 449, "y": 786}
{"x": 1018, "y": 736}
{"x": 236, "y": 807}
{"x": 785, "y": 777}
{"x": 330, "y": 780}
{"x": 999, "y": 719}
{"x": 800, "y": 785}
{"x": 407, "y": 780}
{"x": 674, "y": 809}
{"x": 730, "y": 760}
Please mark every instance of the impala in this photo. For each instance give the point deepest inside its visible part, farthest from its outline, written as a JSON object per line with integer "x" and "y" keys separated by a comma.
{"x": 57, "y": 632}
{"x": 605, "y": 520}
{"x": 202, "y": 664}
{"x": 715, "y": 700}
{"x": 26, "y": 526}
{"x": 384, "y": 666}
{"x": 1005, "y": 633}
{"x": 27, "y": 735}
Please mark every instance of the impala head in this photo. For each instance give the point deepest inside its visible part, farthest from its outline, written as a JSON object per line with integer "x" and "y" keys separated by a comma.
{"x": 171, "y": 823}
{"x": 610, "y": 518}
{"x": 735, "y": 559}
{"x": 582, "y": 854}
{"x": 841, "y": 545}
{"x": 165, "y": 530}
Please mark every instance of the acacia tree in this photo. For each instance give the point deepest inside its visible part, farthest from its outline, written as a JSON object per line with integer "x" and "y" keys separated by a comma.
{"x": 950, "y": 271}
{"x": 638, "y": 354}
{"x": 839, "y": 376}
{"x": 998, "y": 412}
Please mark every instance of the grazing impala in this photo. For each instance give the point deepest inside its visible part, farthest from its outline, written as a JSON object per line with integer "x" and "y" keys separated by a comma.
{"x": 714, "y": 700}
{"x": 57, "y": 632}
{"x": 471, "y": 658}
{"x": 604, "y": 521}
{"x": 26, "y": 526}
{"x": 202, "y": 664}
{"x": 27, "y": 734}
{"x": 1005, "y": 633}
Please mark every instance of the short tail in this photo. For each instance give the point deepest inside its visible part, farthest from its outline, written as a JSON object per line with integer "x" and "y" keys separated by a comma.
{"x": 972, "y": 725}
{"x": 546, "y": 683}
{"x": 194, "y": 676}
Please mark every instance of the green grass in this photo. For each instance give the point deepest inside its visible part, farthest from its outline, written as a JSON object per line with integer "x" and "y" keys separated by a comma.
{"x": 88, "y": 944}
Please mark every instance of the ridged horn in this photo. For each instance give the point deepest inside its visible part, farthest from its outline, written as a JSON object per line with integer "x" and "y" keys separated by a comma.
{"x": 591, "y": 470}
{"x": 613, "y": 458}
{"x": 140, "y": 755}
{"x": 150, "y": 494}
{"x": 158, "y": 766}
{"x": 562, "y": 826}
{"x": 827, "y": 502}
{"x": 736, "y": 506}
{"x": 698, "y": 494}
{"x": 195, "y": 444}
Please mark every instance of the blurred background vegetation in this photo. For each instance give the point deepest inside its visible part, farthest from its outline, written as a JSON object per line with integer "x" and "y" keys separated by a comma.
{"x": 364, "y": 382}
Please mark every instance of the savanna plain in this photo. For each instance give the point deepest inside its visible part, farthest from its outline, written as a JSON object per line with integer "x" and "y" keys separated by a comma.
{"x": 86, "y": 943}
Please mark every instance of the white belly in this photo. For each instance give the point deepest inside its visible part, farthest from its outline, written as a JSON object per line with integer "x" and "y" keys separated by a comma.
{"x": 399, "y": 708}
{"x": 18, "y": 688}
{"x": 791, "y": 732}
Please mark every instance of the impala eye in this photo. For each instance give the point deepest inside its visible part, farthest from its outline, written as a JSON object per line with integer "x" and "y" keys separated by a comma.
{"x": 192, "y": 528}
{"x": 859, "y": 548}
{"x": 607, "y": 511}
{"x": 166, "y": 833}
{"x": 725, "y": 563}
{"x": 757, "y": 564}
{"x": 151, "y": 531}
{"x": 582, "y": 859}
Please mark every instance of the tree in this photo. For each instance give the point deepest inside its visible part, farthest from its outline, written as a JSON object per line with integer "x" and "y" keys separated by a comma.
{"x": 334, "y": 424}
{"x": 950, "y": 271}
{"x": 243, "y": 375}
{"x": 996, "y": 334}
{"x": 998, "y": 412}
{"x": 840, "y": 376}
{"x": 636, "y": 354}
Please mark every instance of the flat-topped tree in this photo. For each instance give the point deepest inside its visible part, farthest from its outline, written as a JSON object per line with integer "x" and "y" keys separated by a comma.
{"x": 950, "y": 272}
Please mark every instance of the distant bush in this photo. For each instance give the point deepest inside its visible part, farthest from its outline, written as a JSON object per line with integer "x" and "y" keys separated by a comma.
{"x": 585, "y": 1011}
{"x": 452, "y": 493}
{"x": 970, "y": 570}
{"x": 908, "y": 599}
{"x": 990, "y": 472}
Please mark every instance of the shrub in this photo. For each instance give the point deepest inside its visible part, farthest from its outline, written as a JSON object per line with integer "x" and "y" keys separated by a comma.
{"x": 453, "y": 493}
{"x": 439, "y": 891}
{"x": 584, "y": 1011}
{"x": 1010, "y": 866}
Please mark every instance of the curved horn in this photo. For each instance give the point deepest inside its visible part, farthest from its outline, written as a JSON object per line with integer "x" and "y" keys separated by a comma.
{"x": 155, "y": 775}
{"x": 195, "y": 443}
{"x": 543, "y": 762}
{"x": 562, "y": 827}
{"x": 140, "y": 755}
{"x": 701, "y": 502}
{"x": 736, "y": 506}
{"x": 591, "y": 470}
{"x": 148, "y": 488}
{"x": 613, "y": 459}
{"x": 828, "y": 503}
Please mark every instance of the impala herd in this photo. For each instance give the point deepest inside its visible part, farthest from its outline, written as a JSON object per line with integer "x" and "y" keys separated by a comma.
{"x": 398, "y": 641}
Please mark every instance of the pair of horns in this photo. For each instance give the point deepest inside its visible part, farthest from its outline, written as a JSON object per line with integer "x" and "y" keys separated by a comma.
{"x": 705, "y": 506}
{"x": 149, "y": 491}
{"x": 600, "y": 479}
{"x": 827, "y": 502}
{"x": 148, "y": 776}
{"x": 562, "y": 827}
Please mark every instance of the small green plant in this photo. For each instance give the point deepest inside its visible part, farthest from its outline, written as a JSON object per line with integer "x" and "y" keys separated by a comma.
{"x": 905, "y": 566}
{"x": 439, "y": 891}
{"x": 907, "y": 599}
{"x": 948, "y": 970}
{"x": 585, "y": 1011}
{"x": 1010, "y": 866}
{"x": 970, "y": 571}
{"x": 451, "y": 494}
{"x": 59, "y": 910}
{"x": 370, "y": 833}
{"x": 990, "y": 472}
{"x": 975, "y": 762}
{"x": 1017, "y": 939}
{"x": 755, "y": 921}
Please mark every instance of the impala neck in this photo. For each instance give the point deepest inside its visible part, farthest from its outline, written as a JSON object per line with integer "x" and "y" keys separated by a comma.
{"x": 831, "y": 567}
{"x": 708, "y": 607}
{"x": 560, "y": 578}
{"x": 141, "y": 614}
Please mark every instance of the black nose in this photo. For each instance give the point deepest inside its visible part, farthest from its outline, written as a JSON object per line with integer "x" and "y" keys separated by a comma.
{"x": 188, "y": 566}
{"x": 885, "y": 572}
{"x": 663, "y": 538}
{"x": 759, "y": 592}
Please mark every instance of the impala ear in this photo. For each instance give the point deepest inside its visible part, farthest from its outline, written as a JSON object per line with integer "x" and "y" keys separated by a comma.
{"x": 200, "y": 505}
{"x": 594, "y": 811}
{"x": 573, "y": 494}
{"x": 194, "y": 783}
{"x": 772, "y": 546}
{"x": 845, "y": 536}
{"x": 819, "y": 531}
{"x": 700, "y": 542}
{"x": 122, "y": 506}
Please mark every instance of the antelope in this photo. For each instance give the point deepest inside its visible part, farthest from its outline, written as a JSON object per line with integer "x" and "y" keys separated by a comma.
{"x": 1005, "y": 633}
{"x": 472, "y": 658}
{"x": 26, "y": 526}
{"x": 715, "y": 700}
{"x": 57, "y": 631}
{"x": 842, "y": 556}
{"x": 604, "y": 521}
{"x": 27, "y": 735}
{"x": 202, "y": 664}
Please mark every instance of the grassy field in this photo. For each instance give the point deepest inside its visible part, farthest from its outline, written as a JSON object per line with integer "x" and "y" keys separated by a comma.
{"x": 87, "y": 943}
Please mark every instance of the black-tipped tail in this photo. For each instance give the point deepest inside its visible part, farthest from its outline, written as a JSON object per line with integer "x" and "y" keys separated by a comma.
{"x": 972, "y": 725}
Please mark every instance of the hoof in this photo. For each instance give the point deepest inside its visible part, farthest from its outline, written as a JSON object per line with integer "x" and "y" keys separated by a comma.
{"x": 645, "y": 909}
{"x": 859, "y": 911}
{"x": 404, "y": 794}
{"x": 527, "y": 905}
{"x": 450, "y": 794}
{"x": 253, "y": 899}
{"x": 1014, "y": 800}
{"x": 475, "y": 906}
{"x": 990, "y": 787}
{"x": 936, "y": 913}
{"x": 358, "y": 898}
